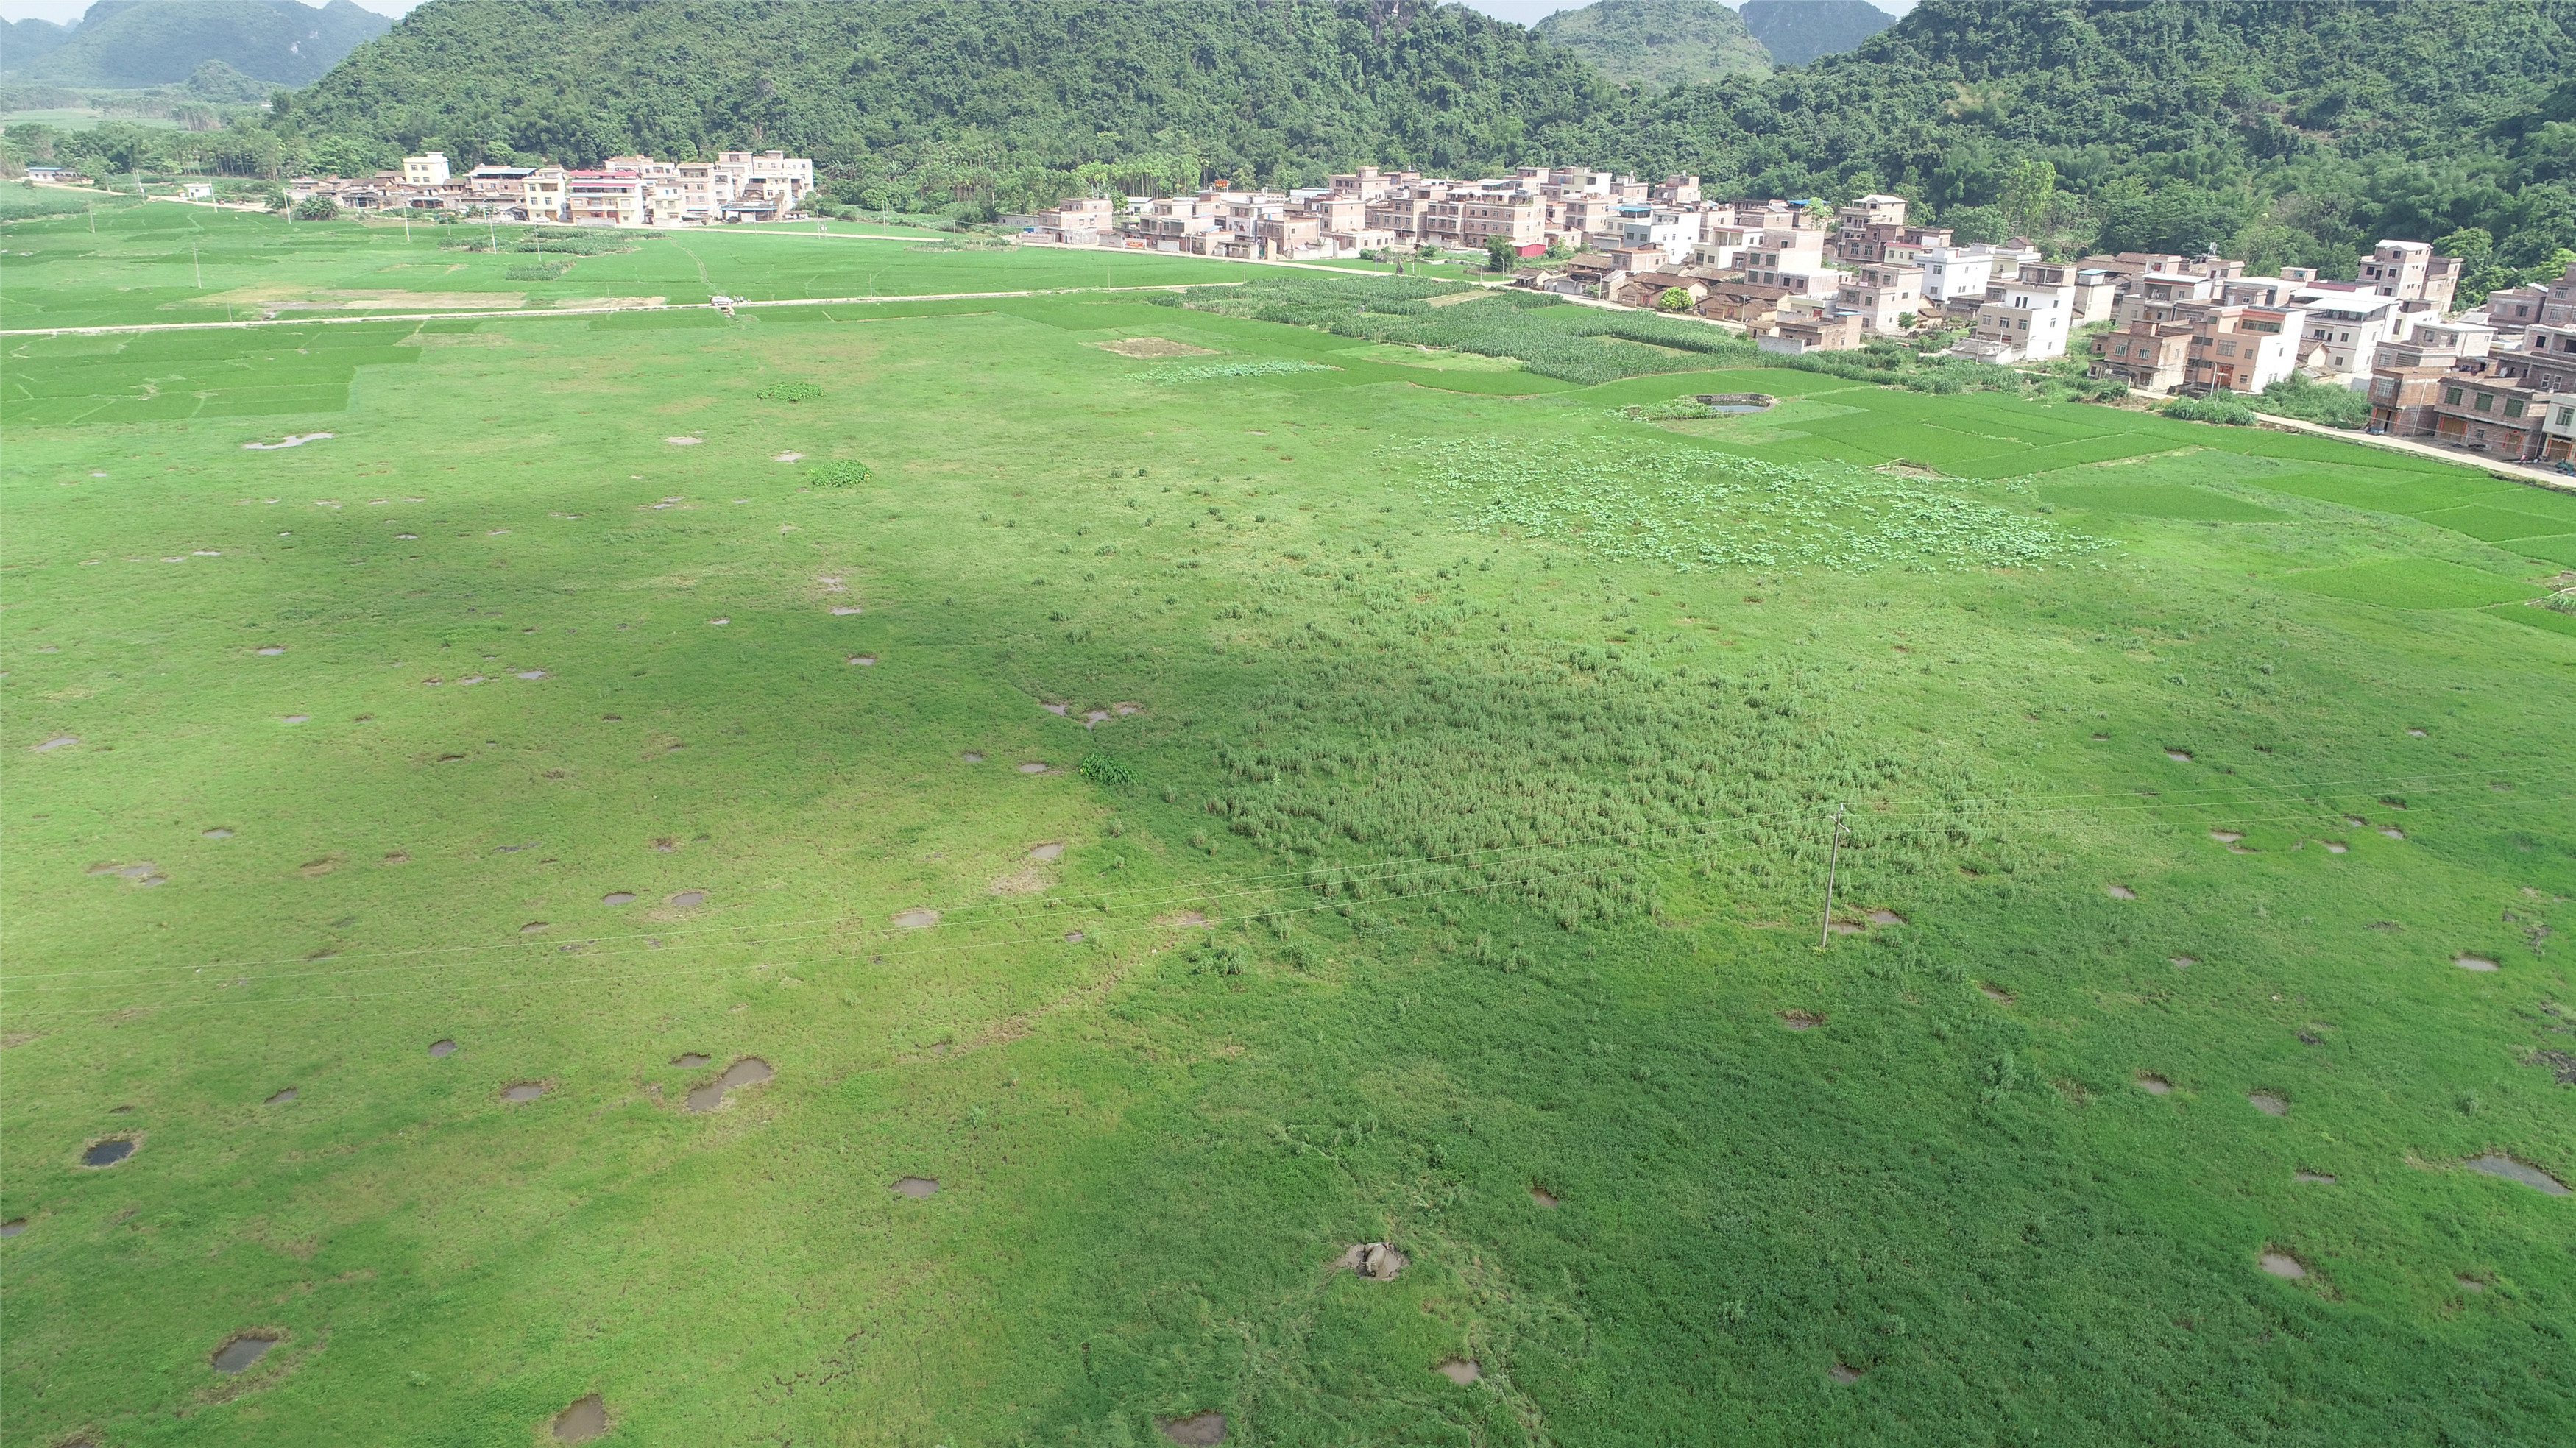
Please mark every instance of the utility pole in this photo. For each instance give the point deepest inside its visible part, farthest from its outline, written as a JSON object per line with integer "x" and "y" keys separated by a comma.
{"x": 1825, "y": 931}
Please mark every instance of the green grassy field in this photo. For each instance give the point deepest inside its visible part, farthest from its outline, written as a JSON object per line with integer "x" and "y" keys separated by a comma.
{"x": 1360, "y": 800}
{"x": 147, "y": 264}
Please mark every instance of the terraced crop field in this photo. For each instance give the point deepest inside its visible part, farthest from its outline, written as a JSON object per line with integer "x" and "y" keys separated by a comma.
{"x": 1227, "y": 880}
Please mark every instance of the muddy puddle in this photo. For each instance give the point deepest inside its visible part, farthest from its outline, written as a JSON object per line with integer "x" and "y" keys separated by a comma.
{"x": 689, "y": 1060}
{"x": 281, "y": 1098}
{"x": 2153, "y": 1084}
{"x": 1461, "y": 1371}
{"x": 2283, "y": 1265}
{"x": 108, "y": 1152}
{"x": 1196, "y": 1431}
{"x": 239, "y": 1353}
{"x": 2269, "y": 1103}
{"x": 442, "y": 1048}
{"x": 587, "y": 1418}
{"x": 523, "y": 1091}
{"x": 1543, "y": 1197}
{"x": 917, "y": 918}
{"x": 1843, "y": 1372}
{"x": 749, "y": 1071}
{"x": 916, "y": 1187}
{"x": 2496, "y": 1165}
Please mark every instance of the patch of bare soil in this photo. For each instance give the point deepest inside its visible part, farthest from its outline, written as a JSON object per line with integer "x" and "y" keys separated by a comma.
{"x": 2268, "y": 1103}
{"x": 1195, "y": 1431}
{"x": 1146, "y": 349}
{"x": 919, "y": 917}
{"x": 2120, "y": 892}
{"x": 1023, "y": 881}
{"x": 2283, "y": 1265}
{"x": 1375, "y": 1261}
{"x": 1801, "y": 1020}
{"x": 915, "y": 1187}
{"x": 1462, "y": 1371}
{"x": 749, "y": 1071}
{"x": 2153, "y": 1084}
{"x": 581, "y": 1421}
{"x": 1543, "y": 1197}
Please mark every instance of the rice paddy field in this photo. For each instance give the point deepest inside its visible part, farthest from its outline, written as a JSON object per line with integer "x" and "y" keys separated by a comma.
{"x": 1076, "y": 869}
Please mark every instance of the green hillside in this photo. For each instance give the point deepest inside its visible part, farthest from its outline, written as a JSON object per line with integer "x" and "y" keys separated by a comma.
{"x": 884, "y": 90}
{"x": 1797, "y": 31}
{"x": 22, "y": 41}
{"x": 1659, "y": 43}
{"x": 161, "y": 42}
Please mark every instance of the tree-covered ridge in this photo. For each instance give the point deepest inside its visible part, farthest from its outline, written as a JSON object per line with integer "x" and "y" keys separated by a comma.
{"x": 1659, "y": 43}
{"x": 127, "y": 43}
{"x": 2291, "y": 131}
{"x": 1284, "y": 87}
{"x": 1798, "y": 31}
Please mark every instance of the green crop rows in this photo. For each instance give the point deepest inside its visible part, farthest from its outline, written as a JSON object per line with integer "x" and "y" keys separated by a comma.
{"x": 1208, "y": 806}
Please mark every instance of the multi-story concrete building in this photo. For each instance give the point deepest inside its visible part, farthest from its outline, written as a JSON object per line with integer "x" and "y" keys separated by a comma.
{"x": 2150, "y": 356}
{"x": 2409, "y": 271}
{"x": 2022, "y": 320}
{"x": 2243, "y": 349}
{"x": 604, "y": 198}
{"x": 2490, "y": 415}
{"x": 1887, "y": 298}
{"x": 425, "y": 172}
{"x": 2558, "y": 429}
{"x": 2402, "y": 398}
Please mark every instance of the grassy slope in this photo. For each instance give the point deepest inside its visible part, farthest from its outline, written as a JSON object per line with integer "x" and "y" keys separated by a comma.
{"x": 1145, "y": 1160}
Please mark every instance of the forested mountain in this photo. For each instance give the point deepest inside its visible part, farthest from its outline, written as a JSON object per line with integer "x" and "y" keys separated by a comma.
{"x": 134, "y": 43}
{"x": 1659, "y": 43}
{"x": 1233, "y": 87}
{"x": 23, "y": 41}
{"x": 2290, "y": 131}
{"x": 1797, "y": 31}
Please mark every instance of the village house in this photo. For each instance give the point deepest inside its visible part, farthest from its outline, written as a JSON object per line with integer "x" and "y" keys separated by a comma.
{"x": 1812, "y": 328}
{"x": 2558, "y": 430}
{"x": 2409, "y": 271}
{"x": 2022, "y": 320}
{"x": 2148, "y": 355}
{"x": 2490, "y": 415}
{"x": 2243, "y": 349}
{"x": 1886, "y": 297}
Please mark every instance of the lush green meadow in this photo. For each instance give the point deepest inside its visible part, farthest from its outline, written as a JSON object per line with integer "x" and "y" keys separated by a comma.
{"x": 169, "y": 262}
{"x": 1366, "y": 793}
